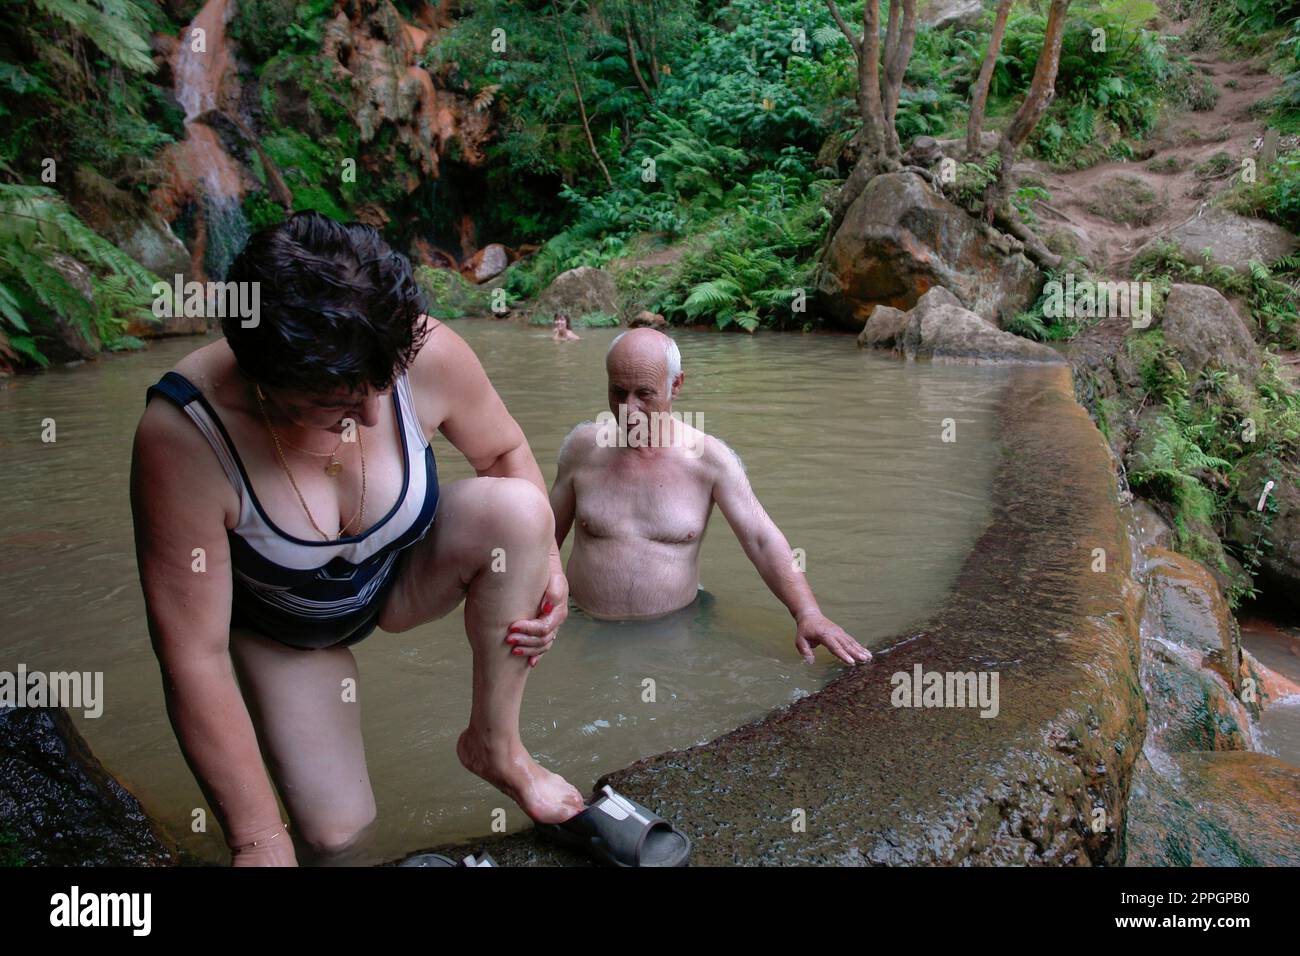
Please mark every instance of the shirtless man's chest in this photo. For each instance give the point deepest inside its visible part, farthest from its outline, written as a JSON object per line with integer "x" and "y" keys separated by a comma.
{"x": 638, "y": 525}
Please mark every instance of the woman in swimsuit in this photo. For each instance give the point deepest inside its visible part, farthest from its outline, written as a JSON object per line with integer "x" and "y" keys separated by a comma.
{"x": 284, "y": 494}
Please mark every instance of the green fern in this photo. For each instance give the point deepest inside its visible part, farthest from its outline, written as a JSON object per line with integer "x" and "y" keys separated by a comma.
{"x": 120, "y": 28}
{"x": 36, "y": 225}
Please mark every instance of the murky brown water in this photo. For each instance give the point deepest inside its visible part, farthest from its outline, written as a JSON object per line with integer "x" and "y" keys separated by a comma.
{"x": 843, "y": 447}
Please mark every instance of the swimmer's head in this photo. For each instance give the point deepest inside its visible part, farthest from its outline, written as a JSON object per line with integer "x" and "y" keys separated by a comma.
{"x": 644, "y": 367}
{"x": 339, "y": 313}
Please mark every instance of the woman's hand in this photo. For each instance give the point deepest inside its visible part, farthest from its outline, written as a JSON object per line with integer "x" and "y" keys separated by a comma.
{"x": 533, "y": 638}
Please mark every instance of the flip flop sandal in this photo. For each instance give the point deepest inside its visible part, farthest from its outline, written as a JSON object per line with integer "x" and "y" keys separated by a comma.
{"x": 437, "y": 859}
{"x": 617, "y": 831}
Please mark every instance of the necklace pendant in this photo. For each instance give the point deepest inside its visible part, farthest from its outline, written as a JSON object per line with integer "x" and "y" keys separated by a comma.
{"x": 334, "y": 467}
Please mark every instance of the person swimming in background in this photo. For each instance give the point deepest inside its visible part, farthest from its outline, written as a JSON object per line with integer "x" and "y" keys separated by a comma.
{"x": 639, "y": 506}
{"x": 284, "y": 494}
{"x": 563, "y": 331}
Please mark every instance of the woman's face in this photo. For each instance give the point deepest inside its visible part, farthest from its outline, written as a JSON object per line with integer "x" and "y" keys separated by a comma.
{"x": 328, "y": 411}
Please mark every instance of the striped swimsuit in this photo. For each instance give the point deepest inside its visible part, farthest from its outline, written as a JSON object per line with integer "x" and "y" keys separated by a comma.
{"x": 314, "y": 594}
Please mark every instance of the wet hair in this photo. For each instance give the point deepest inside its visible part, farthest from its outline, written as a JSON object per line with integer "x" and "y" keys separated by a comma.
{"x": 338, "y": 307}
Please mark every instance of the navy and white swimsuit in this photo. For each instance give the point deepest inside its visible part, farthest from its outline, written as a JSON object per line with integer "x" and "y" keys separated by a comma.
{"x": 314, "y": 594}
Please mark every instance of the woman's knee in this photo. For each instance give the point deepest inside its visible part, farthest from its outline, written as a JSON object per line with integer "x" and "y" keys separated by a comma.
{"x": 335, "y": 839}
{"x": 517, "y": 510}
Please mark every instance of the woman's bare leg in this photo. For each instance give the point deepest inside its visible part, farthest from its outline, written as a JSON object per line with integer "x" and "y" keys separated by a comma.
{"x": 310, "y": 737}
{"x": 489, "y": 544}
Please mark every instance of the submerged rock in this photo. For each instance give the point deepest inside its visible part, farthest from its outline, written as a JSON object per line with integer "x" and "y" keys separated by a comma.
{"x": 899, "y": 239}
{"x": 60, "y": 807}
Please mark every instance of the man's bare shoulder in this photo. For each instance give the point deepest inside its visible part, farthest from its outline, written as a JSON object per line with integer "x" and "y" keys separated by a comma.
{"x": 579, "y": 445}
{"x": 720, "y": 457}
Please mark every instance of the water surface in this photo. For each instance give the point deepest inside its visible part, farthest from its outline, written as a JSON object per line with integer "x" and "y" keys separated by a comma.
{"x": 844, "y": 448}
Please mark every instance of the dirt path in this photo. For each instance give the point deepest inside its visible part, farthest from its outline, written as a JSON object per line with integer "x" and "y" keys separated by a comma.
{"x": 1183, "y": 140}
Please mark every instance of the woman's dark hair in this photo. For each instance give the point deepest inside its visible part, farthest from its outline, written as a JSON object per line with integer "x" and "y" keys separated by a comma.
{"x": 338, "y": 308}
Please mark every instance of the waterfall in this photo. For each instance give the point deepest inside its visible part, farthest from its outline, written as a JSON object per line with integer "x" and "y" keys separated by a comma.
{"x": 214, "y": 175}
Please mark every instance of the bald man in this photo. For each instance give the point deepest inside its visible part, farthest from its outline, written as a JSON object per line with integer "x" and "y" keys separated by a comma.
{"x": 641, "y": 495}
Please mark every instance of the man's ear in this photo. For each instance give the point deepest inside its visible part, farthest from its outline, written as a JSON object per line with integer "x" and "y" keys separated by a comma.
{"x": 677, "y": 384}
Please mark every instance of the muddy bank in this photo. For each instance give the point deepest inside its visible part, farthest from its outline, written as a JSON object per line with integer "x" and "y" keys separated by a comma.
{"x": 1043, "y": 782}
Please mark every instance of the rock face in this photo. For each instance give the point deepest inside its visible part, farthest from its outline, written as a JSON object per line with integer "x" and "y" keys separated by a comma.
{"x": 372, "y": 49}
{"x": 1205, "y": 329}
{"x": 579, "y": 292}
{"x": 938, "y": 327}
{"x": 1232, "y": 240}
{"x": 58, "y": 804}
{"x": 885, "y": 784}
{"x": 487, "y": 263}
{"x": 899, "y": 239}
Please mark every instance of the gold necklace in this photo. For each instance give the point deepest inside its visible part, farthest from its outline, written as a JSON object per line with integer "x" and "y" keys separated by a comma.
{"x": 334, "y": 467}
{"x": 361, "y": 512}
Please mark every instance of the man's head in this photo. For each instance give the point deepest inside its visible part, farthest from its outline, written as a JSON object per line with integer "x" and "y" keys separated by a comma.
{"x": 340, "y": 318}
{"x": 561, "y": 321}
{"x": 645, "y": 372}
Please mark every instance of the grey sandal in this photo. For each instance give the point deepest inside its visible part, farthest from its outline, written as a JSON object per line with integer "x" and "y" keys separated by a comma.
{"x": 437, "y": 859}
{"x": 617, "y": 831}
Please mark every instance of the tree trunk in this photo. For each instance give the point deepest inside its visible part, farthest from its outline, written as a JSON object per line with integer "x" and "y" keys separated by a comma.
{"x": 899, "y": 40}
{"x": 1039, "y": 97}
{"x": 631, "y": 61}
{"x": 577, "y": 90}
{"x": 980, "y": 94}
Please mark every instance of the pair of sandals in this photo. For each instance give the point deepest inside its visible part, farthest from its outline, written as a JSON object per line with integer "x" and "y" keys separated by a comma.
{"x": 612, "y": 830}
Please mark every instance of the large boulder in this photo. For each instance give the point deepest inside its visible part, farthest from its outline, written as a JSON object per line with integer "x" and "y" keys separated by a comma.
{"x": 949, "y": 13}
{"x": 1232, "y": 240}
{"x": 579, "y": 292}
{"x": 938, "y": 327}
{"x": 899, "y": 239}
{"x": 951, "y": 332}
{"x": 487, "y": 263}
{"x": 1205, "y": 329}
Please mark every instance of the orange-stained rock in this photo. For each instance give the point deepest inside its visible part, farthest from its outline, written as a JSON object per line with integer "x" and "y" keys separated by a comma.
{"x": 900, "y": 238}
{"x": 1214, "y": 809}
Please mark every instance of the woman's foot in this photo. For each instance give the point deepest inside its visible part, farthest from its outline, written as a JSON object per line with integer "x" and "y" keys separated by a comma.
{"x": 546, "y": 797}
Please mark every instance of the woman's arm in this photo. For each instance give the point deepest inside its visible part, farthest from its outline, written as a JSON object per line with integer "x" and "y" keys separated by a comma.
{"x": 179, "y": 499}
{"x": 475, "y": 420}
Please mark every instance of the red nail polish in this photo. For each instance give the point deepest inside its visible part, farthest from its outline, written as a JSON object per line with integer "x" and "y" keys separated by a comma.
{"x": 547, "y": 607}
{"x": 517, "y": 650}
